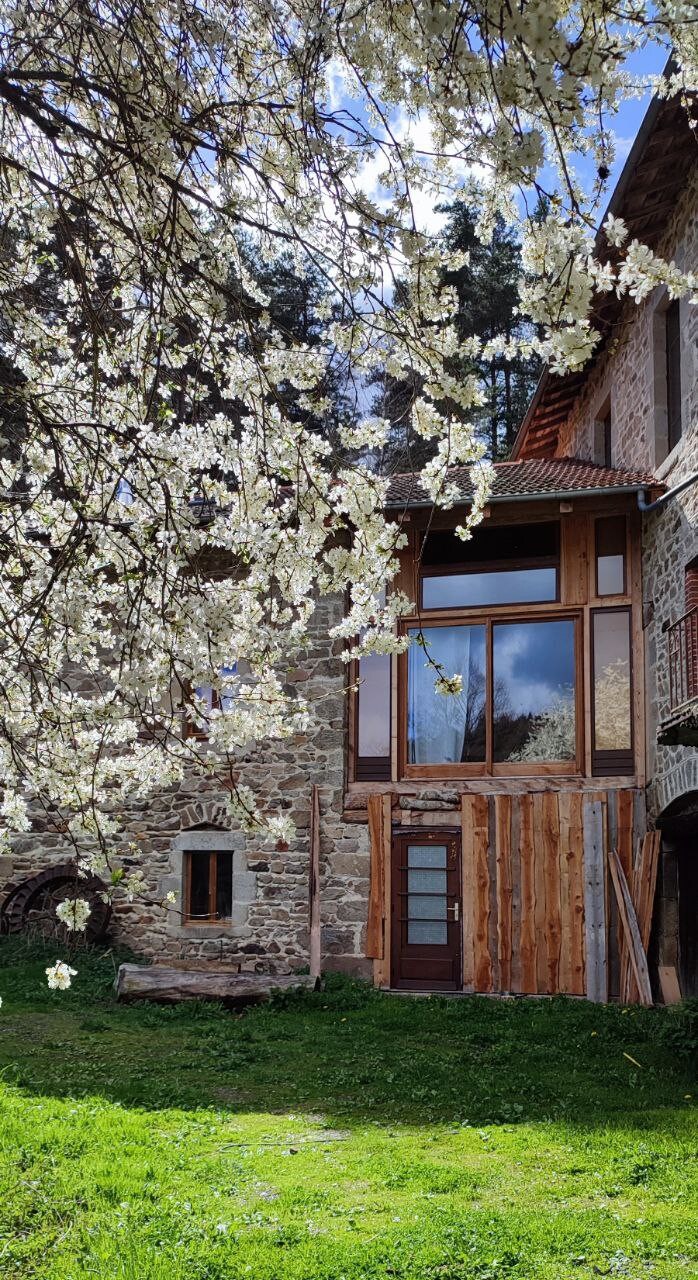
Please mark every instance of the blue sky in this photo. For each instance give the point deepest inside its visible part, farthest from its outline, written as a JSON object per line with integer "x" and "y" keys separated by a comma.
{"x": 646, "y": 62}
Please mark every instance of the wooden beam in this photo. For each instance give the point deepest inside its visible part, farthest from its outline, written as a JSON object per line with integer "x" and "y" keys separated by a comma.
{"x": 528, "y": 896}
{"x": 314, "y": 884}
{"x": 504, "y": 889}
{"x": 595, "y": 903}
{"x": 551, "y": 855}
{"x": 628, "y": 919}
{"x": 483, "y": 960}
{"x": 374, "y": 924}
{"x": 468, "y": 862}
{"x": 387, "y": 869}
{"x": 539, "y": 892}
{"x": 576, "y": 893}
{"x": 624, "y": 848}
{"x": 669, "y": 983}
{"x": 566, "y": 857}
{"x": 643, "y": 893}
{"x": 170, "y": 985}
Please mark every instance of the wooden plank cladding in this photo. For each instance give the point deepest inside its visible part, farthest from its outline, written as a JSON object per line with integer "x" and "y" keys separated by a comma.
{"x": 477, "y": 963}
{"x": 379, "y": 835}
{"x": 536, "y": 918}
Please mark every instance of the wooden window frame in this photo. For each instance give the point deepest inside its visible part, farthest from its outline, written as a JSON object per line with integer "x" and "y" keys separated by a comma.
{"x": 192, "y": 730}
{"x": 615, "y": 595}
{"x": 213, "y": 855}
{"x": 369, "y": 768}
{"x": 466, "y": 568}
{"x": 489, "y": 768}
{"x": 617, "y": 763}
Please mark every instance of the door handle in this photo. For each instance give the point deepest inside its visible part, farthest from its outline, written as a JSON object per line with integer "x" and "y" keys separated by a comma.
{"x": 456, "y": 910}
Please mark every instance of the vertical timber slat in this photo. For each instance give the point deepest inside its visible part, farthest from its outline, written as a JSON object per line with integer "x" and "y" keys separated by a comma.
{"x": 613, "y": 926}
{"x": 374, "y": 926}
{"x": 566, "y": 855}
{"x": 576, "y": 892}
{"x": 387, "y": 885}
{"x": 528, "y": 896}
{"x": 492, "y": 930}
{"x": 595, "y": 903}
{"x": 469, "y": 872}
{"x": 551, "y": 853}
{"x": 481, "y": 839}
{"x": 539, "y": 889}
{"x": 626, "y": 857}
{"x": 515, "y": 895}
{"x": 575, "y": 560}
{"x": 314, "y": 884}
{"x": 626, "y": 911}
{"x": 504, "y": 889}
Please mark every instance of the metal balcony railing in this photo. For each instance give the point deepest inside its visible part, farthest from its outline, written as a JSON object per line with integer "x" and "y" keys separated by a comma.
{"x": 683, "y": 659}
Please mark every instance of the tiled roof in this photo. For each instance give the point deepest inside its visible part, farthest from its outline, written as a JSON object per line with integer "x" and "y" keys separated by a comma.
{"x": 536, "y": 477}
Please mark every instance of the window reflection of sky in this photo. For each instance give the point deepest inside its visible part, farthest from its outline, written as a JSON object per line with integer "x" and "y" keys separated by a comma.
{"x": 535, "y": 662}
{"x": 509, "y": 586}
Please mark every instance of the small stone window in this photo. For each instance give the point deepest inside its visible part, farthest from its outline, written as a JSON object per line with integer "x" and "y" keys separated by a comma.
{"x": 213, "y": 699}
{"x": 208, "y": 885}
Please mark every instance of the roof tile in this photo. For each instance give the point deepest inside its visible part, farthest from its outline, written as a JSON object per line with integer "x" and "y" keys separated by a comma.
{"x": 535, "y": 477}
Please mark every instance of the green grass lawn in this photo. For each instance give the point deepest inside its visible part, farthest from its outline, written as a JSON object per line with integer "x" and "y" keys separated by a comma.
{"x": 342, "y": 1135}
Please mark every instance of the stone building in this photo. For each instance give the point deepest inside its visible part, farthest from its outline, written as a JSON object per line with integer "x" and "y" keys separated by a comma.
{"x": 636, "y": 405}
{"x": 464, "y": 840}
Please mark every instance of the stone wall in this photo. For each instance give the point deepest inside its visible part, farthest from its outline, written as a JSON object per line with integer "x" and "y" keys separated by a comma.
{"x": 625, "y": 377}
{"x": 269, "y": 925}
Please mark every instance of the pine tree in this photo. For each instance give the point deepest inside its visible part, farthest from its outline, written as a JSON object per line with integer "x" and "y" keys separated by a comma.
{"x": 487, "y": 290}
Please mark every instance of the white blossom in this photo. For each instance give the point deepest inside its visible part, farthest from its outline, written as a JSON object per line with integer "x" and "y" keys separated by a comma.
{"x": 74, "y": 913}
{"x": 615, "y": 230}
{"x": 164, "y": 514}
{"x": 59, "y": 975}
{"x": 448, "y": 685}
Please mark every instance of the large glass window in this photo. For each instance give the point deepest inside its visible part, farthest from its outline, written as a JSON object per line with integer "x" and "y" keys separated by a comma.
{"x": 534, "y": 691}
{"x": 446, "y": 728}
{"x": 530, "y": 695}
{"x": 612, "y": 692}
{"x": 494, "y": 586}
{"x": 513, "y": 564}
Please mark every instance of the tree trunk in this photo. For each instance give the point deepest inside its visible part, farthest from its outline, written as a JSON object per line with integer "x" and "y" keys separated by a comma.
{"x": 168, "y": 986}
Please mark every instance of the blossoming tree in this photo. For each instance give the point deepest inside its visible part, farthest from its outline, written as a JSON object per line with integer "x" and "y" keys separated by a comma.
{"x": 145, "y": 424}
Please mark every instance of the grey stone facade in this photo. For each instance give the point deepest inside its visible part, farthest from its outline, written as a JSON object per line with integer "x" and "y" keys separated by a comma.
{"x": 627, "y": 377}
{"x": 269, "y": 924}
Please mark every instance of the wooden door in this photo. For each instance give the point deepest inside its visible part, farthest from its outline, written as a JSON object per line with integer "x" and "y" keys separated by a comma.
{"x": 426, "y": 912}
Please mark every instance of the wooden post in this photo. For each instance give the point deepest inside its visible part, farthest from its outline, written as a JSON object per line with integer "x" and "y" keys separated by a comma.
{"x": 628, "y": 920}
{"x": 503, "y": 806}
{"x": 314, "y": 884}
{"x": 374, "y": 924}
{"x": 595, "y": 904}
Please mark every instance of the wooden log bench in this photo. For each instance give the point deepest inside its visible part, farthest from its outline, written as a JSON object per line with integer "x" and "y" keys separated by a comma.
{"x": 168, "y": 985}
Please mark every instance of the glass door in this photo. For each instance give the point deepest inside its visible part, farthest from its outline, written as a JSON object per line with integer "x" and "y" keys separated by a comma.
{"x": 426, "y": 912}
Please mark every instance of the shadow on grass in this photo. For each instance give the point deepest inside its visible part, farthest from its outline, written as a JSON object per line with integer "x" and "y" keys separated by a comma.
{"x": 348, "y": 1052}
